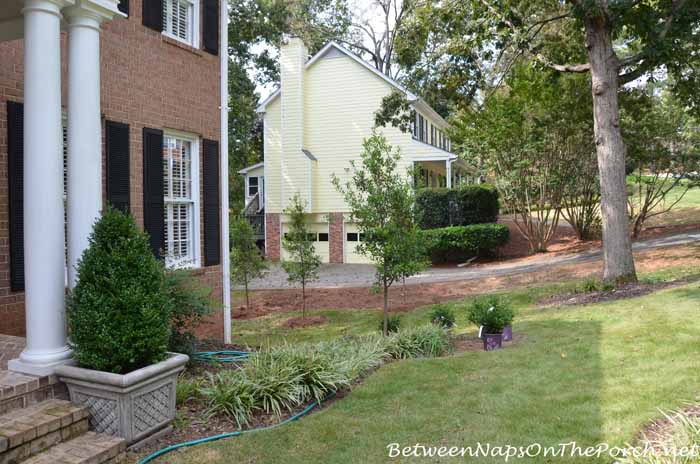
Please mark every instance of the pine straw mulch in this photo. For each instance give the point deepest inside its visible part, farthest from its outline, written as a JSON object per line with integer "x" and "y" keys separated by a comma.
{"x": 620, "y": 292}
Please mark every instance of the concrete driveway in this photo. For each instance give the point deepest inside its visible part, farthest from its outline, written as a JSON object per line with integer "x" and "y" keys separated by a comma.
{"x": 362, "y": 275}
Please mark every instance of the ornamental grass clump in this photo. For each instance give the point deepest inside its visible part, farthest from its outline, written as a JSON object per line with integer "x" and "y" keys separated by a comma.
{"x": 118, "y": 313}
{"x": 278, "y": 380}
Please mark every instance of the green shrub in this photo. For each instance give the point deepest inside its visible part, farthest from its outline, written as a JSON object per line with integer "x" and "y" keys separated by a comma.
{"x": 187, "y": 389}
{"x": 419, "y": 342}
{"x": 493, "y": 313}
{"x": 442, "y": 316}
{"x": 462, "y": 242}
{"x": 231, "y": 394}
{"x": 393, "y": 323}
{"x": 471, "y": 204}
{"x": 118, "y": 313}
{"x": 189, "y": 304}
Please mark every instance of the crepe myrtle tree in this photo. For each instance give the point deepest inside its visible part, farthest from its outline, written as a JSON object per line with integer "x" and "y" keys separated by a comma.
{"x": 615, "y": 41}
{"x": 381, "y": 202}
{"x": 303, "y": 263}
{"x": 247, "y": 262}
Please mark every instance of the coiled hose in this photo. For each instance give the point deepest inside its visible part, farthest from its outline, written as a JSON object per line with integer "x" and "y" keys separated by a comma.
{"x": 226, "y": 357}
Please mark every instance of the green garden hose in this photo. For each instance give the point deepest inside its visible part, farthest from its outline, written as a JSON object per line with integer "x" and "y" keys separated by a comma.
{"x": 227, "y": 356}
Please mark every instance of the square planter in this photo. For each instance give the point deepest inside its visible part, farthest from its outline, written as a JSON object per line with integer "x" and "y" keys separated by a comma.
{"x": 132, "y": 406}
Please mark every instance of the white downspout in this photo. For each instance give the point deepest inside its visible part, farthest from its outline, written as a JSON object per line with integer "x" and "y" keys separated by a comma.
{"x": 225, "y": 252}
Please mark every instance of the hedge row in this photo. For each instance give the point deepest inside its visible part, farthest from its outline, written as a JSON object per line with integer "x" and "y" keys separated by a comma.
{"x": 458, "y": 243}
{"x": 471, "y": 204}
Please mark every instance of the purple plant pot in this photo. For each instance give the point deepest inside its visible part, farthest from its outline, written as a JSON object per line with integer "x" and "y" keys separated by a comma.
{"x": 492, "y": 341}
{"x": 508, "y": 333}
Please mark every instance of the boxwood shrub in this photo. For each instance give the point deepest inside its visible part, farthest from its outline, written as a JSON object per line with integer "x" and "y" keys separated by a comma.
{"x": 470, "y": 204}
{"x": 118, "y": 312}
{"x": 463, "y": 242}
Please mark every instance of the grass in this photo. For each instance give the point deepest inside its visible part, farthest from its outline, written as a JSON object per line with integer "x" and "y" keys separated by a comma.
{"x": 589, "y": 374}
{"x": 687, "y": 211}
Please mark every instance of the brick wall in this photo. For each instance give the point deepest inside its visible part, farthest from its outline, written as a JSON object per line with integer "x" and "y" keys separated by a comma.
{"x": 335, "y": 237}
{"x": 148, "y": 80}
{"x": 272, "y": 236}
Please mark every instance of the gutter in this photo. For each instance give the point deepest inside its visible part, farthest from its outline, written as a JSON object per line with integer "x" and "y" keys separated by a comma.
{"x": 225, "y": 251}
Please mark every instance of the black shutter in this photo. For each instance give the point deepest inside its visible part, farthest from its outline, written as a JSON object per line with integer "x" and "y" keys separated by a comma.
{"x": 153, "y": 14}
{"x": 124, "y": 6}
{"x": 211, "y": 26}
{"x": 153, "y": 206}
{"x": 15, "y": 173}
{"x": 117, "y": 147}
{"x": 212, "y": 229}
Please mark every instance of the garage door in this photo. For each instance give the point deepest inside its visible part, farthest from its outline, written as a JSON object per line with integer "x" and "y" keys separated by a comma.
{"x": 319, "y": 235}
{"x": 352, "y": 239}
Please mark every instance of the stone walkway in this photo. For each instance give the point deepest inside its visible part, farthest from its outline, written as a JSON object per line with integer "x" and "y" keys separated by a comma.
{"x": 10, "y": 348}
{"x": 362, "y": 275}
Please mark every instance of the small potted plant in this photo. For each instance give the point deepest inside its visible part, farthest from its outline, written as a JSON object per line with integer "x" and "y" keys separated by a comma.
{"x": 119, "y": 322}
{"x": 493, "y": 317}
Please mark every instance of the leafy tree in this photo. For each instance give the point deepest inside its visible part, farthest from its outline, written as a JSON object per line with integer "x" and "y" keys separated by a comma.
{"x": 247, "y": 262}
{"x": 529, "y": 139}
{"x": 616, "y": 42}
{"x": 664, "y": 154}
{"x": 382, "y": 205}
{"x": 304, "y": 263}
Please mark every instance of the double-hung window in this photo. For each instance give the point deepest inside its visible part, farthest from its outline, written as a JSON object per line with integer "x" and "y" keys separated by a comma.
{"x": 252, "y": 186}
{"x": 181, "y": 20}
{"x": 180, "y": 190}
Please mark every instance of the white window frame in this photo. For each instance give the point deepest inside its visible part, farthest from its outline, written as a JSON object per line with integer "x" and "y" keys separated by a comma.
{"x": 194, "y": 260}
{"x": 195, "y": 24}
{"x": 248, "y": 179}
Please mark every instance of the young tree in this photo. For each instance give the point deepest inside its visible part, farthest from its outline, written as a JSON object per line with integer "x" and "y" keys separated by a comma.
{"x": 382, "y": 204}
{"x": 247, "y": 262}
{"x": 304, "y": 264}
{"x": 616, "y": 42}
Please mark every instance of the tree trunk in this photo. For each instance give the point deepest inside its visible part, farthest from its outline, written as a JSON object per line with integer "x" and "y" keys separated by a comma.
{"x": 303, "y": 300}
{"x": 386, "y": 309}
{"x": 610, "y": 148}
{"x": 247, "y": 301}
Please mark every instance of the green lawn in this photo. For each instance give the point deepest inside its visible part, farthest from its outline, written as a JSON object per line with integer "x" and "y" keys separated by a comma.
{"x": 590, "y": 374}
{"x": 687, "y": 211}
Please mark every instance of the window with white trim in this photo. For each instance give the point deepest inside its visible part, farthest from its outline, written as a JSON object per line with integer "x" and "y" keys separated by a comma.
{"x": 253, "y": 186}
{"x": 181, "y": 20}
{"x": 181, "y": 192}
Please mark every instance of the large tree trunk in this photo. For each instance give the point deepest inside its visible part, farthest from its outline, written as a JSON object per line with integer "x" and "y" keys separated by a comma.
{"x": 610, "y": 148}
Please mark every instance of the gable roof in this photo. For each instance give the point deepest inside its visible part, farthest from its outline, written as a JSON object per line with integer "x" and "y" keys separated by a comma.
{"x": 417, "y": 102}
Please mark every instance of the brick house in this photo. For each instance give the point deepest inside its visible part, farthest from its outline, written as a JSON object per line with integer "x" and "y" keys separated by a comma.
{"x": 107, "y": 101}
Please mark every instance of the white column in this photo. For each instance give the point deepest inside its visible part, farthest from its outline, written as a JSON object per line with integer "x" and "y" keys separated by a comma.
{"x": 44, "y": 255}
{"x": 84, "y": 131}
{"x": 448, "y": 172}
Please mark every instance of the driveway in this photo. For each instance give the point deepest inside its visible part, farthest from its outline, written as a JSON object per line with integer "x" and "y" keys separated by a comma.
{"x": 362, "y": 275}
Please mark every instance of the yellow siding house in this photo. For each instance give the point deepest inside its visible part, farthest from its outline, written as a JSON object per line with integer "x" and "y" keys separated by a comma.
{"x": 314, "y": 125}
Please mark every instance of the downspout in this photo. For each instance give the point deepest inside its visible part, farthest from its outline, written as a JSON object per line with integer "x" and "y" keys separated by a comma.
{"x": 225, "y": 252}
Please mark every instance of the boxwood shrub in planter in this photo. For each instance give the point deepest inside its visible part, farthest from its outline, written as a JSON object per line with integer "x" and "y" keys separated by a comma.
{"x": 119, "y": 323}
{"x": 458, "y": 243}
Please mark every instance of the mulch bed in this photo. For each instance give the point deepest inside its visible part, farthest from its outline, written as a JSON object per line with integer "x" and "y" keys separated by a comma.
{"x": 301, "y": 322}
{"x": 660, "y": 428}
{"x": 621, "y": 292}
{"x": 465, "y": 342}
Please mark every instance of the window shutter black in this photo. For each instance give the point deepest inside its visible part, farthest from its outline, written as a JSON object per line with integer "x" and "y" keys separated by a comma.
{"x": 212, "y": 229}
{"x": 124, "y": 6}
{"x": 211, "y": 26}
{"x": 153, "y": 203}
{"x": 153, "y": 14}
{"x": 15, "y": 172}
{"x": 117, "y": 147}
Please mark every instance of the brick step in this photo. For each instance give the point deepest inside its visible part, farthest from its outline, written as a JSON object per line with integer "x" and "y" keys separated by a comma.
{"x": 18, "y": 391}
{"x": 29, "y": 431}
{"x": 89, "y": 448}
